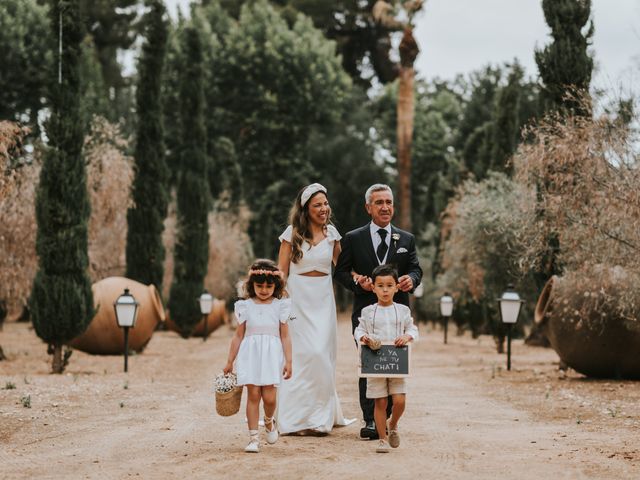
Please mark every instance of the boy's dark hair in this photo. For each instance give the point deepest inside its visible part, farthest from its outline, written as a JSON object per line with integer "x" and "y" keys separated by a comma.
{"x": 385, "y": 270}
{"x": 260, "y": 272}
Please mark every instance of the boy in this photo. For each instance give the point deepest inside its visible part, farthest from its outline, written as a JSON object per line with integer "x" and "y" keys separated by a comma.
{"x": 386, "y": 321}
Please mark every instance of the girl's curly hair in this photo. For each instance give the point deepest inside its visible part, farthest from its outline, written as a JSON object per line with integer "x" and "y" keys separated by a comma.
{"x": 264, "y": 270}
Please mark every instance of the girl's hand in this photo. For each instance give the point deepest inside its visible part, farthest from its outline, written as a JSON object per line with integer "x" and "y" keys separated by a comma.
{"x": 364, "y": 339}
{"x": 402, "y": 340}
{"x": 228, "y": 368}
{"x": 286, "y": 371}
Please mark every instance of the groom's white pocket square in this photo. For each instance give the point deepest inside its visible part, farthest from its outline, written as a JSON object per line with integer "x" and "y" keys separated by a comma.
{"x": 402, "y": 250}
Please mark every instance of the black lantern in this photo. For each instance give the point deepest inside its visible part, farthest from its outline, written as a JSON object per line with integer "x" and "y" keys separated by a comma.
{"x": 510, "y": 304}
{"x": 206, "y": 304}
{"x": 446, "y": 310}
{"x": 126, "y": 309}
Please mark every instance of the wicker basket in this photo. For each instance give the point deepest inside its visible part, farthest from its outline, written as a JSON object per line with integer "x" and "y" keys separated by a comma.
{"x": 228, "y": 403}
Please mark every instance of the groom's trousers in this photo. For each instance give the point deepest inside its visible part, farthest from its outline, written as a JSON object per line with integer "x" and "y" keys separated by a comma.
{"x": 366, "y": 404}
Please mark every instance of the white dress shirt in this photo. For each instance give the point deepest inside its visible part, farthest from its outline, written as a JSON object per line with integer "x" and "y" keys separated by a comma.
{"x": 375, "y": 238}
{"x": 387, "y": 323}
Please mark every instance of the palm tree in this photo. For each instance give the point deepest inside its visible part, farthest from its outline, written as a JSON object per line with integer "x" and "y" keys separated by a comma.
{"x": 405, "y": 109}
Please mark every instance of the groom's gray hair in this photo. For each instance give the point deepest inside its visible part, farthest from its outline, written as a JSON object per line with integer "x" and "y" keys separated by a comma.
{"x": 376, "y": 187}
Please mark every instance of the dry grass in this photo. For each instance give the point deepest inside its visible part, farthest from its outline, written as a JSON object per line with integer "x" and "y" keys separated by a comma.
{"x": 230, "y": 251}
{"x": 109, "y": 175}
{"x": 109, "y": 179}
{"x": 588, "y": 183}
{"x": 12, "y": 138}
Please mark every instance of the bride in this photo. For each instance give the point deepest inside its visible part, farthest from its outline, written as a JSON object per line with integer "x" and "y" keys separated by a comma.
{"x": 309, "y": 245}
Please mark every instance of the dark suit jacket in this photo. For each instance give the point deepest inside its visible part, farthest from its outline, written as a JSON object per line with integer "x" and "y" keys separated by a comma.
{"x": 358, "y": 255}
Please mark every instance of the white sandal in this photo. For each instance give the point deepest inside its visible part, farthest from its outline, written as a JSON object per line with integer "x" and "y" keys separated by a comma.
{"x": 254, "y": 442}
{"x": 272, "y": 435}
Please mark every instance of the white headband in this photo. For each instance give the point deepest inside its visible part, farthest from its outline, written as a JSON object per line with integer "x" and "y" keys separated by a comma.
{"x": 310, "y": 191}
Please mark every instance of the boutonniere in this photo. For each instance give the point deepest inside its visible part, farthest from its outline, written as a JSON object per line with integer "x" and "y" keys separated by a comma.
{"x": 395, "y": 237}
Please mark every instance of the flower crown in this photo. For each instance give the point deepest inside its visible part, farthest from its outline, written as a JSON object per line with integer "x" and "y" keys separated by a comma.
{"x": 275, "y": 273}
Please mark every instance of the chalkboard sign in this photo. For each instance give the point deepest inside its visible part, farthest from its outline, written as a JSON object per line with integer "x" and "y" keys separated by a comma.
{"x": 388, "y": 361}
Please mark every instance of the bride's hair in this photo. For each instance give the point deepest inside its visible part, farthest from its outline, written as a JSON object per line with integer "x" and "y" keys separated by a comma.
{"x": 300, "y": 223}
{"x": 260, "y": 271}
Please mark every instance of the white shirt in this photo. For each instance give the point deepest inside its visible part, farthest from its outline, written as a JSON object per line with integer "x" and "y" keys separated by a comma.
{"x": 387, "y": 323}
{"x": 375, "y": 238}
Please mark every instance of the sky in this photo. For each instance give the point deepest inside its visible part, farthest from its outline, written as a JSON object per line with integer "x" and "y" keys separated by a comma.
{"x": 459, "y": 36}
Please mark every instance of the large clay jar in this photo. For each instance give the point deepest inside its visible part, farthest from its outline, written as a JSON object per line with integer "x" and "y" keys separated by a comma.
{"x": 104, "y": 336}
{"x": 217, "y": 317}
{"x": 580, "y": 315}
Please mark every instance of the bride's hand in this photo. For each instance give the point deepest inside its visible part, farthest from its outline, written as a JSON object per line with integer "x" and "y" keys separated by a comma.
{"x": 286, "y": 371}
{"x": 228, "y": 368}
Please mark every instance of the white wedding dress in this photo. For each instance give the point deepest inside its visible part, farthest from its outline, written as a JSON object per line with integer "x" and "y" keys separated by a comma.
{"x": 309, "y": 399}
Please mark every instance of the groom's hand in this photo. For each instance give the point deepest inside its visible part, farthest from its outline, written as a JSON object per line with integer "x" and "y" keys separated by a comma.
{"x": 405, "y": 283}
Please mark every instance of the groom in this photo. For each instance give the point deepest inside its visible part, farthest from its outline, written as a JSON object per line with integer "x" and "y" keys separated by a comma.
{"x": 363, "y": 249}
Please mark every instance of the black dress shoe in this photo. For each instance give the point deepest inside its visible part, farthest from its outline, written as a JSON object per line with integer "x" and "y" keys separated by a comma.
{"x": 369, "y": 432}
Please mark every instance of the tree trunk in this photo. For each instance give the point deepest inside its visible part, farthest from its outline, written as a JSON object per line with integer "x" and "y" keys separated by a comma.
{"x": 405, "y": 133}
{"x": 57, "y": 365}
{"x": 3, "y": 313}
{"x": 404, "y": 129}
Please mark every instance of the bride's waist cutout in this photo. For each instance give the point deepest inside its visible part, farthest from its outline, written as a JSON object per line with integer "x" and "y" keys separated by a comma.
{"x": 313, "y": 273}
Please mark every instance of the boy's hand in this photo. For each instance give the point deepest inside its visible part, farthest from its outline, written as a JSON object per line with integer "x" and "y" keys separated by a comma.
{"x": 402, "y": 340}
{"x": 364, "y": 282}
{"x": 286, "y": 371}
{"x": 228, "y": 368}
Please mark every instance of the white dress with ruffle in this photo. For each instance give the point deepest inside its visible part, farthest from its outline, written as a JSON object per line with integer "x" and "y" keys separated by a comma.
{"x": 260, "y": 359}
{"x": 309, "y": 399}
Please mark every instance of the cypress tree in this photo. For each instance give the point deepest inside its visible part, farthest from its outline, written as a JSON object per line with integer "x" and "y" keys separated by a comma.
{"x": 225, "y": 176}
{"x": 565, "y": 65}
{"x": 192, "y": 243}
{"x": 565, "y": 68}
{"x": 145, "y": 251}
{"x": 61, "y": 301}
{"x": 477, "y": 149}
{"x": 506, "y": 123}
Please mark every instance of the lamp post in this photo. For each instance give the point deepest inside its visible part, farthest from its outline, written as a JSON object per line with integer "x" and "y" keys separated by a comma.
{"x": 206, "y": 304}
{"x": 126, "y": 309}
{"x": 510, "y": 304}
{"x": 446, "y": 309}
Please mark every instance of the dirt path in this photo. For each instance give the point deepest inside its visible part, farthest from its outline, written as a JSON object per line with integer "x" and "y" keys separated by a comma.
{"x": 466, "y": 417}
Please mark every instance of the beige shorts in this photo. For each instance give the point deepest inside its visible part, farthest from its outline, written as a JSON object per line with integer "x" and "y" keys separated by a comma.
{"x": 380, "y": 387}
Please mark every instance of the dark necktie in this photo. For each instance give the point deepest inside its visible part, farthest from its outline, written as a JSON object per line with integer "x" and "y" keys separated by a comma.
{"x": 382, "y": 248}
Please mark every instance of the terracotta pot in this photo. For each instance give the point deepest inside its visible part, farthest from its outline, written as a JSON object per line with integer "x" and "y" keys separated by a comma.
{"x": 217, "y": 317}
{"x": 584, "y": 328}
{"x": 104, "y": 336}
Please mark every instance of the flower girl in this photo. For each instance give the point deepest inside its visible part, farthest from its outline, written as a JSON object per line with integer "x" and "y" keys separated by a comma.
{"x": 261, "y": 346}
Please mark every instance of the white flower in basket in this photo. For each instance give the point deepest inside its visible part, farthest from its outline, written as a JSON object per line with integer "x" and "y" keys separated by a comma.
{"x": 225, "y": 382}
{"x": 228, "y": 394}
